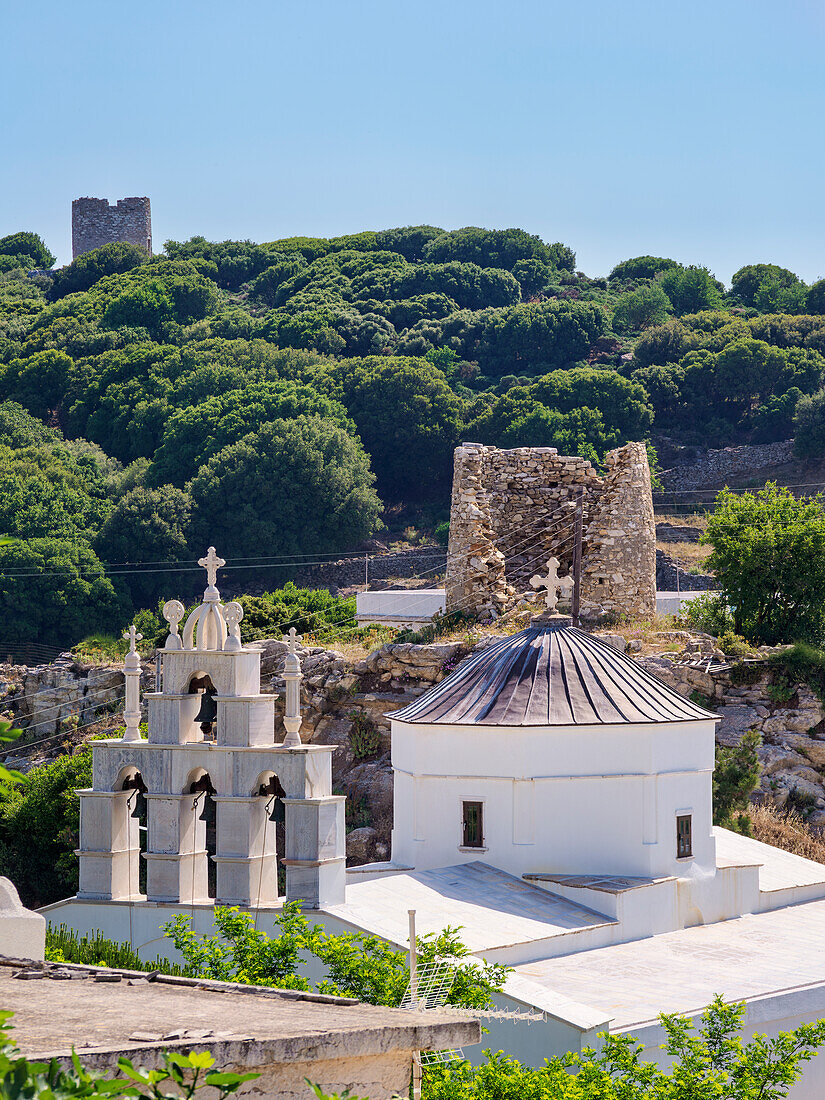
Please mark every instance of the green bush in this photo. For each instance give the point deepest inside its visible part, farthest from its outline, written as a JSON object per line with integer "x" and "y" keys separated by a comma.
{"x": 357, "y": 964}
{"x": 769, "y": 559}
{"x": 709, "y": 613}
{"x": 364, "y": 736}
{"x": 40, "y": 829}
{"x": 735, "y": 777}
{"x": 312, "y": 611}
{"x": 708, "y": 1061}
{"x": 93, "y": 949}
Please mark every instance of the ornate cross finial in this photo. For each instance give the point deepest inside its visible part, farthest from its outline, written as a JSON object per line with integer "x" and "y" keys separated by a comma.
{"x": 132, "y": 637}
{"x": 552, "y": 583}
{"x": 292, "y": 639}
{"x": 211, "y": 563}
{"x": 233, "y": 613}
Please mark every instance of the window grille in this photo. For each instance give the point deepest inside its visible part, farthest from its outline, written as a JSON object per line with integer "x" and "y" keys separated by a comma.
{"x": 473, "y": 824}
{"x": 684, "y": 836}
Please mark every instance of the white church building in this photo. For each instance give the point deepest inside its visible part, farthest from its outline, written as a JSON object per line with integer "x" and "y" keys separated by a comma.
{"x": 552, "y": 798}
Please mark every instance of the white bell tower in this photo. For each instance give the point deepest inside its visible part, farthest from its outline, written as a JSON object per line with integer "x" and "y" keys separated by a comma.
{"x": 178, "y": 770}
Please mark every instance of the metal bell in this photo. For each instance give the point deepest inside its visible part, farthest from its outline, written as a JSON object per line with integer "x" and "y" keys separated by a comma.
{"x": 208, "y": 709}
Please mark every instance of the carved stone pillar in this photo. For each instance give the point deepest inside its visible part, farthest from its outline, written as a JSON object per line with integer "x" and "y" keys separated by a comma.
{"x": 109, "y": 846}
{"x": 246, "y": 852}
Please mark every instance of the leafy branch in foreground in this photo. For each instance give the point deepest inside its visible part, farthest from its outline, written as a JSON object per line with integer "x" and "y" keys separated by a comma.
{"x": 20, "y": 1078}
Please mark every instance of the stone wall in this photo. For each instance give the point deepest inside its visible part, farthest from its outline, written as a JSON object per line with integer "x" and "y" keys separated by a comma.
{"x": 513, "y": 509}
{"x": 95, "y": 223}
{"x": 714, "y": 468}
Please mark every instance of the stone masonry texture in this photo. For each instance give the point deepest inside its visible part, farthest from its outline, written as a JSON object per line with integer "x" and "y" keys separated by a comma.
{"x": 513, "y": 509}
{"x": 95, "y": 223}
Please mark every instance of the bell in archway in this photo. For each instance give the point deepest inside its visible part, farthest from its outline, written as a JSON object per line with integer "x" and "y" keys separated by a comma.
{"x": 208, "y": 711}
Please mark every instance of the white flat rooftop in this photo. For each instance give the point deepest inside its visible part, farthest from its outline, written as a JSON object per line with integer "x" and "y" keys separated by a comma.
{"x": 746, "y": 957}
{"x": 493, "y": 908}
{"x": 778, "y": 870}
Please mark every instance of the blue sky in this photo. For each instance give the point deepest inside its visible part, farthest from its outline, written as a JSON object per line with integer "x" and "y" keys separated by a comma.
{"x": 692, "y": 130}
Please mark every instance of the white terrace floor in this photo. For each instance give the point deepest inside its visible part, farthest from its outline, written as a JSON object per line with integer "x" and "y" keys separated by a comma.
{"x": 682, "y": 971}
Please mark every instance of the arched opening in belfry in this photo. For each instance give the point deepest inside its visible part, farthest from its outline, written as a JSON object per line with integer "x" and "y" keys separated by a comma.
{"x": 268, "y": 786}
{"x": 201, "y": 684}
{"x": 203, "y": 807}
{"x": 130, "y": 779}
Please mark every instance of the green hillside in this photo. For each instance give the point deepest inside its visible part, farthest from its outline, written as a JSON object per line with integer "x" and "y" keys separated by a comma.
{"x": 276, "y": 398}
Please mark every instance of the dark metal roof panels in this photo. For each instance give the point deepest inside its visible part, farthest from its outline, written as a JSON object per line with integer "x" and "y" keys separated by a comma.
{"x": 550, "y": 676}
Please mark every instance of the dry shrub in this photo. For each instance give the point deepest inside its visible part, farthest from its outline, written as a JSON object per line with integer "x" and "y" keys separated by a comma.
{"x": 787, "y": 830}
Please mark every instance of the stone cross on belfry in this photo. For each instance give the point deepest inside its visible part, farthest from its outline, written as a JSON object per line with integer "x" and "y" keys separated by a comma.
{"x": 553, "y": 583}
{"x": 292, "y": 639}
{"x": 211, "y": 563}
{"x": 132, "y": 637}
{"x": 131, "y": 674}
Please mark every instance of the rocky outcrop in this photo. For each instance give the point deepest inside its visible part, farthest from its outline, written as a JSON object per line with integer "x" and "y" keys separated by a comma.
{"x": 789, "y": 717}
{"x": 671, "y": 577}
{"x": 62, "y": 695}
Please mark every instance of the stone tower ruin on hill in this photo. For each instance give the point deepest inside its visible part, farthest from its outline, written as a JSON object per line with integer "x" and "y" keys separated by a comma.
{"x": 95, "y": 223}
{"x": 514, "y": 509}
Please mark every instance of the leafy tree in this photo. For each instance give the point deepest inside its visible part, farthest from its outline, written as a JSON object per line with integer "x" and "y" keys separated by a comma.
{"x": 44, "y": 492}
{"x": 358, "y": 965}
{"x": 29, "y": 247}
{"x": 146, "y": 525}
{"x": 776, "y": 296}
{"x": 532, "y": 275}
{"x": 497, "y": 248}
{"x": 665, "y": 343}
{"x": 284, "y": 266}
{"x": 235, "y": 262}
{"x": 815, "y": 298}
{"x": 407, "y": 417}
{"x": 691, "y": 289}
{"x": 194, "y": 433}
{"x": 581, "y": 411}
{"x": 809, "y": 426}
{"x": 759, "y": 540}
{"x": 524, "y": 339}
{"x": 83, "y": 272}
{"x": 735, "y": 777}
{"x": 19, "y": 429}
{"x": 711, "y": 1062}
{"x": 293, "y": 486}
{"x": 40, "y": 828}
{"x": 639, "y": 309}
{"x": 774, "y": 421}
{"x": 54, "y": 591}
{"x": 746, "y": 282}
{"x": 641, "y": 267}
{"x": 38, "y": 382}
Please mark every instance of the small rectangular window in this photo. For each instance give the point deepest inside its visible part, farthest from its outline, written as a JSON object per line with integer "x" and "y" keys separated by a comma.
{"x": 684, "y": 836}
{"x": 473, "y": 825}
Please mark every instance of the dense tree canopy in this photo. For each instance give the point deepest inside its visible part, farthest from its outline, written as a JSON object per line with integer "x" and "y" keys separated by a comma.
{"x": 88, "y": 268}
{"x": 407, "y": 417}
{"x": 26, "y": 250}
{"x": 180, "y": 382}
{"x": 293, "y": 487}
